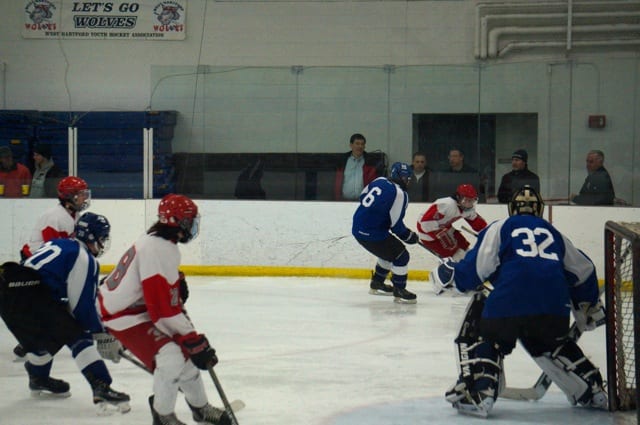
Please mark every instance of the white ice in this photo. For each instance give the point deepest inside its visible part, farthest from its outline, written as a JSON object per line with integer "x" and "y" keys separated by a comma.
{"x": 311, "y": 351}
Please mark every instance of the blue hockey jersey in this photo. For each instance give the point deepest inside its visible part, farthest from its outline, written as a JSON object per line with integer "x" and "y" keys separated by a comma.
{"x": 71, "y": 273}
{"x": 533, "y": 267}
{"x": 382, "y": 207}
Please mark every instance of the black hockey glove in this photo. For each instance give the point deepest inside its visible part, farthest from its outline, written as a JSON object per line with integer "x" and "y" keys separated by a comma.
{"x": 184, "y": 289}
{"x": 201, "y": 353}
{"x": 411, "y": 238}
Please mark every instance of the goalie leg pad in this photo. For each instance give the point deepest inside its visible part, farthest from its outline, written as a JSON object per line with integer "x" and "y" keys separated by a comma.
{"x": 575, "y": 375}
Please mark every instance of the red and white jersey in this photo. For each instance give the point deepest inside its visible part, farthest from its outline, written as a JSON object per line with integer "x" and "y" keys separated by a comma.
{"x": 54, "y": 223}
{"x": 144, "y": 287}
{"x": 442, "y": 214}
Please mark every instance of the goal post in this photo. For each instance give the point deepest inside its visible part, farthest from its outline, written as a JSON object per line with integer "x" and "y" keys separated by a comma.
{"x": 622, "y": 297}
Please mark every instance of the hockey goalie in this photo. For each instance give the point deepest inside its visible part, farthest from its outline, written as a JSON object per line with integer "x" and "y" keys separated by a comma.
{"x": 537, "y": 277}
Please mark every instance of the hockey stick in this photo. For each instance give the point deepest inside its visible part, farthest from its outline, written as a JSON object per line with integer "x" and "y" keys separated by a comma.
{"x": 223, "y": 397}
{"x": 235, "y": 405}
{"x": 539, "y": 389}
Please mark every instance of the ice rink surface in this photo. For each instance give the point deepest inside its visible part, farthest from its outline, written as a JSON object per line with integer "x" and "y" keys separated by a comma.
{"x": 311, "y": 351}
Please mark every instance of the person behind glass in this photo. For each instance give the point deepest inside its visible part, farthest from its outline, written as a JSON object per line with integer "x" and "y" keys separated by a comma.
{"x": 46, "y": 174}
{"x": 519, "y": 176}
{"x": 457, "y": 164}
{"x": 379, "y": 228}
{"x": 418, "y": 190}
{"x": 354, "y": 171}
{"x": 597, "y": 188}
{"x": 15, "y": 178}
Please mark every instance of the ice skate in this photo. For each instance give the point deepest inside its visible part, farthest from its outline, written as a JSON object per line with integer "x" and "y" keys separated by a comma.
{"x": 402, "y": 296}
{"x": 159, "y": 419}
{"x": 107, "y": 400}
{"x": 380, "y": 288}
{"x": 478, "y": 405}
{"x": 209, "y": 414}
{"x": 48, "y": 387}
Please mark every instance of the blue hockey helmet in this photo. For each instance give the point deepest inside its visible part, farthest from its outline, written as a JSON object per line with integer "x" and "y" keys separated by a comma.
{"x": 400, "y": 173}
{"x": 94, "y": 229}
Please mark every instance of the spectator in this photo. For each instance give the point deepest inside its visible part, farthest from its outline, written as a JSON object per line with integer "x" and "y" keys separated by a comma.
{"x": 456, "y": 162}
{"x": 419, "y": 188}
{"x": 597, "y": 188}
{"x": 519, "y": 176}
{"x": 46, "y": 174}
{"x": 355, "y": 171}
{"x": 15, "y": 178}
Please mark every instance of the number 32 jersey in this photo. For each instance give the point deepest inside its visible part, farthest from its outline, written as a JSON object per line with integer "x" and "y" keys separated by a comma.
{"x": 534, "y": 269}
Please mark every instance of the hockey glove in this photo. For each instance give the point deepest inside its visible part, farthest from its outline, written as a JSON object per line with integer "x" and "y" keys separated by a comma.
{"x": 411, "y": 238}
{"x": 588, "y": 317}
{"x": 201, "y": 353}
{"x": 108, "y": 346}
{"x": 447, "y": 238}
{"x": 443, "y": 276}
{"x": 184, "y": 289}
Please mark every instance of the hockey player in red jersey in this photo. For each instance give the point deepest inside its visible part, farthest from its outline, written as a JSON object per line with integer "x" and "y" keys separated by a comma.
{"x": 435, "y": 226}
{"x": 58, "y": 222}
{"x": 140, "y": 305}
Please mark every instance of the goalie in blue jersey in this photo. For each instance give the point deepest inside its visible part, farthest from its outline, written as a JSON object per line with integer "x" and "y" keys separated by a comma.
{"x": 538, "y": 277}
{"x": 378, "y": 227}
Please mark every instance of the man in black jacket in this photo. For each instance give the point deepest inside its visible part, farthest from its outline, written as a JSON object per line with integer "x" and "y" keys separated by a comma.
{"x": 519, "y": 176}
{"x": 597, "y": 188}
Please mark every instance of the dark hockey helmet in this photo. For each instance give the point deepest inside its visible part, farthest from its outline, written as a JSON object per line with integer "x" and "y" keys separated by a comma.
{"x": 181, "y": 212}
{"x": 467, "y": 196}
{"x": 75, "y": 192}
{"x": 94, "y": 229}
{"x": 526, "y": 201}
{"x": 400, "y": 174}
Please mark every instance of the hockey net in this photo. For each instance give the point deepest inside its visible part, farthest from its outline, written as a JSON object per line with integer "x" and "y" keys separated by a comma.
{"x": 622, "y": 289}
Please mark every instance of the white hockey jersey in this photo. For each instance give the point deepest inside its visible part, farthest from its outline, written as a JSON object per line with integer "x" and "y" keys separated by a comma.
{"x": 54, "y": 223}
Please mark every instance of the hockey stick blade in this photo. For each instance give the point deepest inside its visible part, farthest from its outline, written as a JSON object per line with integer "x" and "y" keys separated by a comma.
{"x": 534, "y": 393}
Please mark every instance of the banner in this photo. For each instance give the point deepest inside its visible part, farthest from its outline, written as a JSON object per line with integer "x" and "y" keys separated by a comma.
{"x": 111, "y": 20}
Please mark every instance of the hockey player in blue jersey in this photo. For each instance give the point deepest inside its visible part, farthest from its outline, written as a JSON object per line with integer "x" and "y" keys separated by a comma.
{"x": 50, "y": 301}
{"x": 378, "y": 227}
{"x": 537, "y": 276}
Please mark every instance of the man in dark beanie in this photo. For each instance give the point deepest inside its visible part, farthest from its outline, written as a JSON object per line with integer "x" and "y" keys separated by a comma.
{"x": 46, "y": 174}
{"x": 519, "y": 176}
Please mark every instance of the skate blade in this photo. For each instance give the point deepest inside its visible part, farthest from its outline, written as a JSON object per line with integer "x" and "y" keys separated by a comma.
{"x": 471, "y": 410}
{"x": 399, "y": 300}
{"x": 44, "y": 394}
{"x": 104, "y": 408}
{"x": 380, "y": 292}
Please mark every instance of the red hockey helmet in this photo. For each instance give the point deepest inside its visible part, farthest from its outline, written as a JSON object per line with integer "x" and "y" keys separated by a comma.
{"x": 467, "y": 196}
{"x": 180, "y": 211}
{"x": 75, "y": 191}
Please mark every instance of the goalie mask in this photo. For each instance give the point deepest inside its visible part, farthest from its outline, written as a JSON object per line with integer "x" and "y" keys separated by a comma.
{"x": 180, "y": 212}
{"x": 74, "y": 192}
{"x": 526, "y": 201}
{"x": 93, "y": 230}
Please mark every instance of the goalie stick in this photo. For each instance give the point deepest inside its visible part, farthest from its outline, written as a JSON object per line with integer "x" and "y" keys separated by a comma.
{"x": 234, "y": 406}
{"x": 539, "y": 389}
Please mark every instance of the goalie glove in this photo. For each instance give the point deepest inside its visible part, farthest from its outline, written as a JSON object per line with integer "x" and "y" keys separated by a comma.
{"x": 108, "y": 346}
{"x": 443, "y": 276}
{"x": 588, "y": 316}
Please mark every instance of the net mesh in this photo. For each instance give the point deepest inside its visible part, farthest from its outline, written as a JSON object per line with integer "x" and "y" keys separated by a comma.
{"x": 622, "y": 241}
